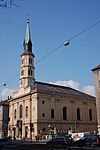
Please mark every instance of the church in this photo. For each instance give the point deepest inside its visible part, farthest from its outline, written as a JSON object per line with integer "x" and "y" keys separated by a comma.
{"x": 38, "y": 108}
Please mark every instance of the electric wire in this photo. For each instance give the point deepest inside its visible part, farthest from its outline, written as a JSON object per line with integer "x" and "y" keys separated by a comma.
{"x": 4, "y": 84}
{"x": 35, "y": 31}
{"x": 84, "y": 30}
{"x": 65, "y": 44}
{"x": 49, "y": 53}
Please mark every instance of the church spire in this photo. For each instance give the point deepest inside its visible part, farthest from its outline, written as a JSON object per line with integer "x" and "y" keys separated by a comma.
{"x": 27, "y": 61}
{"x": 28, "y": 36}
{"x": 27, "y": 41}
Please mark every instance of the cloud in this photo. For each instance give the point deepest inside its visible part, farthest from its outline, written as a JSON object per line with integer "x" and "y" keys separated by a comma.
{"x": 75, "y": 85}
{"x": 89, "y": 90}
{"x": 69, "y": 83}
{"x": 6, "y": 92}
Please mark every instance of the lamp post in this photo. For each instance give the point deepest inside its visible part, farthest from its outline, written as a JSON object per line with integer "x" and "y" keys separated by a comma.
{"x": 20, "y": 128}
{"x": 31, "y": 129}
{"x": 19, "y": 125}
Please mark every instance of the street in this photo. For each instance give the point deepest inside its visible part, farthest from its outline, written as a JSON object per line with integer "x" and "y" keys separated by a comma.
{"x": 33, "y": 145}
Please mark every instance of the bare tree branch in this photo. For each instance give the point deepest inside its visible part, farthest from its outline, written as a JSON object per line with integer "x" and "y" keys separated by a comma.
{"x": 9, "y": 3}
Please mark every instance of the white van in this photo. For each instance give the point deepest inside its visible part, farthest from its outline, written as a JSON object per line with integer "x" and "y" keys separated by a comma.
{"x": 79, "y": 135}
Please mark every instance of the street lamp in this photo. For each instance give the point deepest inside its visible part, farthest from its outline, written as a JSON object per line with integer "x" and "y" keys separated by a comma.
{"x": 66, "y": 43}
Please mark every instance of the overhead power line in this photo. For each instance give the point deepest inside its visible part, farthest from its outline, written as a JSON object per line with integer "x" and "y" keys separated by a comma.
{"x": 49, "y": 53}
{"x": 66, "y": 43}
{"x": 84, "y": 30}
{"x": 5, "y": 83}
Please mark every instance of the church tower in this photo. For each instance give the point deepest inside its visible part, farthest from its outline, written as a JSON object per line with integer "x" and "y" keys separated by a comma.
{"x": 27, "y": 61}
{"x": 96, "y": 72}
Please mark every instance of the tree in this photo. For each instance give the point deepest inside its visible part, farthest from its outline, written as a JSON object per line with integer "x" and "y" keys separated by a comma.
{"x": 9, "y": 3}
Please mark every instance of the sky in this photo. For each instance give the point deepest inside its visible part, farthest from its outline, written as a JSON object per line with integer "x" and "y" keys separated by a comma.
{"x": 52, "y": 22}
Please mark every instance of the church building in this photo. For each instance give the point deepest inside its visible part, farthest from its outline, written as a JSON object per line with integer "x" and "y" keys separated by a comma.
{"x": 37, "y": 107}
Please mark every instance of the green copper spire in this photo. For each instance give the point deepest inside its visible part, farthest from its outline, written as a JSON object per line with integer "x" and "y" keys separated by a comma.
{"x": 28, "y": 36}
{"x": 27, "y": 41}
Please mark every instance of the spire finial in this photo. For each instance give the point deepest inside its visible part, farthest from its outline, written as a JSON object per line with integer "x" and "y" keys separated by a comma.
{"x": 28, "y": 19}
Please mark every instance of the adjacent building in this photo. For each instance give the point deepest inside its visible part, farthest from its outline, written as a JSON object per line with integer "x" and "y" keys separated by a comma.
{"x": 4, "y": 117}
{"x": 96, "y": 72}
{"x": 37, "y": 107}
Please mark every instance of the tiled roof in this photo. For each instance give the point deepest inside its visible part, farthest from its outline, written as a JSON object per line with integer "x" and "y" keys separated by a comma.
{"x": 57, "y": 89}
{"x": 5, "y": 102}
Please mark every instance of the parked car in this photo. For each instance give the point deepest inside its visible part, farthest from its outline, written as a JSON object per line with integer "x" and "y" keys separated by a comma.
{"x": 69, "y": 139}
{"x": 98, "y": 141}
{"x": 87, "y": 140}
{"x": 61, "y": 141}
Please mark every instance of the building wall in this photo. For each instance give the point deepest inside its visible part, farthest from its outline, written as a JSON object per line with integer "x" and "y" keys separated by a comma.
{"x": 5, "y": 118}
{"x": 97, "y": 91}
{"x": 4, "y": 112}
{"x": 71, "y": 103}
{"x": 39, "y": 113}
{"x": 1, "y": 117}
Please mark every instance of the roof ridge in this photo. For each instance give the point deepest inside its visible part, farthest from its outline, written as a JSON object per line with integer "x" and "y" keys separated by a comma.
{"x": 64, "y": 87}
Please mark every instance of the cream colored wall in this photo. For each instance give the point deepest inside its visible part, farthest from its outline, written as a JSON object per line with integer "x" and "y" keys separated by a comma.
{"x": 56, "y": 102}
{"x": 31, "y": 102}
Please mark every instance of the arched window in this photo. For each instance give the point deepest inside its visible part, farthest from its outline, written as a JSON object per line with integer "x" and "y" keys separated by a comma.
{"x": 43, "y": 114}
{"x": 21, "y": 111}
{"x": 64, "y": 113}
{"x": 26, "y": 111}
{"x": 22, "y": 72}
{"x": 78, "y": 114}
{"x": 15, "y": 113}
{"x": 52, "y": 113}
{"x": 90, "y": 114}
{"x": 30, "y": 72}
{"x": 30, "y": 60}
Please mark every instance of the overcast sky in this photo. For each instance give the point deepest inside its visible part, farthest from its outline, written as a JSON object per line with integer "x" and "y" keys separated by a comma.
{"x": 52, "y": 22}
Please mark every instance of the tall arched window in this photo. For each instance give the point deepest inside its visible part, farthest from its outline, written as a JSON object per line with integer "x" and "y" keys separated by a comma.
{"x": 26, "y": 111}
{"x": 21, "y": 111}
{"x": 52, "y": 113}
{"x": 30, "y": 72}
{"x": 30, "y": 60}
{"x": 22, "y": 72}
{"x": 90, "y": 114}
{"x": 64, "y": 113}
{"x": 78, "y": 114}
